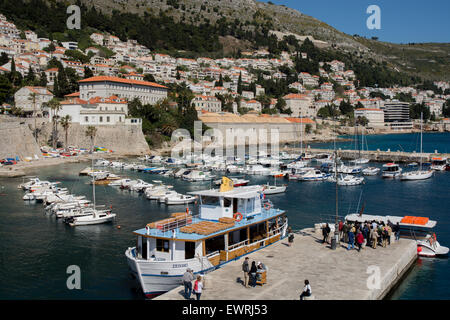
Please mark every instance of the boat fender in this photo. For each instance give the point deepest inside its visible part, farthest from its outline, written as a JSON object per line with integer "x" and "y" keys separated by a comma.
{"x": 187, "y": 211}
{"x": 238, "y": 216}
{"x": 267, "y": 206}
{"x": 419, "y": 249}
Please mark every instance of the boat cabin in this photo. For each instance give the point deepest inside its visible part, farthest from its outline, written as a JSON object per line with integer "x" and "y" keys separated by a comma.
{"x": 390, "y": 167}
{"x": 438, "y": 161}
{"x": 229, "y": 224}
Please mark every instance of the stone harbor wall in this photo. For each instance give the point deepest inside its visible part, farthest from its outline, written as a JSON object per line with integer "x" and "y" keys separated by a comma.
{"x": 125, "y": 139}
{"x": 17, "y": 140}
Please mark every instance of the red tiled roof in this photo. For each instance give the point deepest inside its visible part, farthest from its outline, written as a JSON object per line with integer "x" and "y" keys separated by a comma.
{"x": 300, "y": 120}
{"x": 75, "y": 94}
{"x": 294, "y": 96}
{"x": 122, "y": 80}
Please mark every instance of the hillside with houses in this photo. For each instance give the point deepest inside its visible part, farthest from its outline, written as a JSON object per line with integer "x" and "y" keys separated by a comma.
{"x": 114, "y": 81}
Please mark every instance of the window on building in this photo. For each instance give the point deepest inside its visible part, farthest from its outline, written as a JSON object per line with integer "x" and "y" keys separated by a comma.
{"x": 101, "y": 119}
{"x": 107, "y": 119}
{"x": 86, "y": 119}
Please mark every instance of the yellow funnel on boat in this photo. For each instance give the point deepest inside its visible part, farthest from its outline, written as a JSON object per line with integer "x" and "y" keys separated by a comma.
{"x": 227, "y": 184}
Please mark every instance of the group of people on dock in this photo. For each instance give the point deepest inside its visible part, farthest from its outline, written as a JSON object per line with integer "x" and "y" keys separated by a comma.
{"x": 188, "y": 277}
{"x": 367, "y": 234}
{"x": 253, "y": 273}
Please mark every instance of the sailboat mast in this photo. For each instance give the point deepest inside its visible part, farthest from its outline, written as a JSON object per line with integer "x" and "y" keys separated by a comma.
{"x": 93, "y": 180}
{"x": 301, "y": 132}
{"x": 421, "y": 115}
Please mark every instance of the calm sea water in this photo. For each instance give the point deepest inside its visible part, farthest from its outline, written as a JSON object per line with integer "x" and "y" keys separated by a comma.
{"x": 394, "y": 142}
{"x": 36, "y": 249}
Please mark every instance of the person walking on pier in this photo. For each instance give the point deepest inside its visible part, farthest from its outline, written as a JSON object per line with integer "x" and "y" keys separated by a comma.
{"x": 306, "y": 290}
{"x": 325, "y": 232}
{"x": 396, "y": 230}
{"x": 198, "y": 287}
{"x": 245, "y": 269}
{"x": 187, "y": 281}
{"x": 345, "y": 229}
{"x": 341, "y": 227}
{"x": 385, "y": 235}
{"x": 359, "y": 240}
{"x": 389, "y": 230}
{"x": 374, "y": 238}
{"x": 351, "y": 239}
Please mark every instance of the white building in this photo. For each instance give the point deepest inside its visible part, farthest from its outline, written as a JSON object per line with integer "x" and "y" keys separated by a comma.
{"x": 23, "y": 100}
{"x": 105, "y": 86}
{"x": 207, "y": 103}
{"x": 375, "y": 116}
{"x": 96, "y": 111}
{"x": 300, "y": 104}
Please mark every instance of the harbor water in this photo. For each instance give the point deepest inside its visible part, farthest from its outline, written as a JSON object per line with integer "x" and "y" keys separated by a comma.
{"x": 405, "y": 142}
{"x": 37, "y": 249}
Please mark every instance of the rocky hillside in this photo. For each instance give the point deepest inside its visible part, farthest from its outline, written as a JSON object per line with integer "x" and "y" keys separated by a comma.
{"x": 429, "y": 61}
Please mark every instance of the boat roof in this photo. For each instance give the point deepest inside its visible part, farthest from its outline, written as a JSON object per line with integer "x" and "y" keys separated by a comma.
{"x": 246, "y": 192}
{"x": 394, "y": 219}
{"x": 192, "y": 236}
{"x": 391, "y": 164}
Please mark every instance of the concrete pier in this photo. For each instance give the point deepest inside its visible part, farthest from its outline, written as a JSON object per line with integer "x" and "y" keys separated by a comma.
{"x": 380, "y": 156}
{"x": 333, "y": 274}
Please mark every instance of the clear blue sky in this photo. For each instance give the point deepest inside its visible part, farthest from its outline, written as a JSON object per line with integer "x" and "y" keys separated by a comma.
{"x": 401, "y": 21}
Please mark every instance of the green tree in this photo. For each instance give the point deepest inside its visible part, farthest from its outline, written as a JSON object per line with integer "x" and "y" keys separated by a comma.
{"x": 65, "y": 124}
{"x": 6, "y": 89}
{"x": 88, "y": 73}
{"x": 3, "y": 59}
{"x": 54, "y": 105}
{"x": 32, "y": 97}
{"x": 363, "y": 121}
{"x": 91, "y": 132}
{"x": 416, "y": 109}
{"x": 43, "y": 79}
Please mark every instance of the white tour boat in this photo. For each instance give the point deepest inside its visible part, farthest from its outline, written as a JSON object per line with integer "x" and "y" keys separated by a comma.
{"x": 230, "y": 224}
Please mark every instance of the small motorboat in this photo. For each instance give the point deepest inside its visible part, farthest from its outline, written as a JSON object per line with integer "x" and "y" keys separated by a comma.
{"x": 314, "y": 175}
{"x": 98, "y": 217}
{"x": 179, "y": 199}
{"x": 391, "y": 170}
{"x": 272, "y": 189}
{"x": 438, "y": 163}
{"x": 370, "y": 171}
{"x": 349, "y": 180}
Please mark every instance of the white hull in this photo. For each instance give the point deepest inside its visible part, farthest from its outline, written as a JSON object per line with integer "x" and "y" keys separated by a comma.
{"x": 89, "y": 220}
{"x": 416, "y": 175}
{"x": 431, "y": 250}
{"x": 274, "y": 190}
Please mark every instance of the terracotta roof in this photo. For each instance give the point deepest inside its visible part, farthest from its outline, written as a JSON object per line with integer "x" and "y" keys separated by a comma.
{"x": 75, "y": 94}
{"x": 300, "y": 120}
{"x": 73, "y": 101}
{"x": 122, "y": 80}
{"x": 294, "y": 96}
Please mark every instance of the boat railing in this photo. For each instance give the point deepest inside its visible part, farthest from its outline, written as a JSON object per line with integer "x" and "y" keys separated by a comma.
{"x": 237, "y": 245}
{"x": 178, "y": 223}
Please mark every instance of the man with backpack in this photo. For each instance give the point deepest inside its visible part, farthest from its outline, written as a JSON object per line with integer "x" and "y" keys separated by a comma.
{"x": 245, "y": 269}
